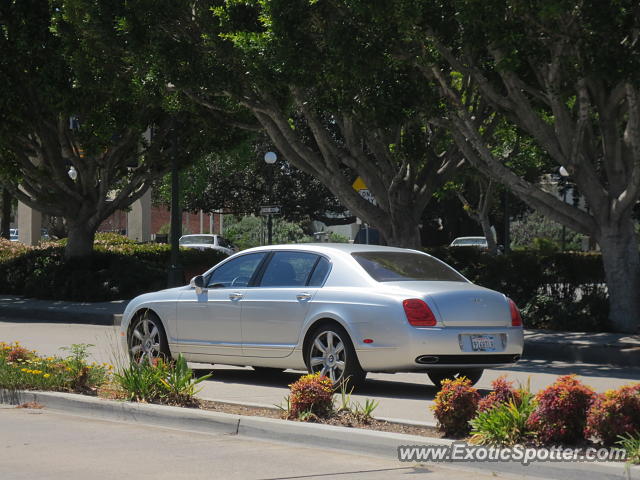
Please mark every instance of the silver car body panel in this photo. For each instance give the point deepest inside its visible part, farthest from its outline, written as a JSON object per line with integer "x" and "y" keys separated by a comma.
{"x": 266, "y": 326}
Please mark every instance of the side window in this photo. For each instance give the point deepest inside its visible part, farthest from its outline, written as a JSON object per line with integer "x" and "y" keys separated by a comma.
{"x": 320, "y": 273}
{"x": 237, "y": 272}
{"x": 288, "y": 269}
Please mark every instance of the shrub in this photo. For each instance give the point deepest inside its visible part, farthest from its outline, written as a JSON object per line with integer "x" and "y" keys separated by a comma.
{"x": 504, "y": 423}
{"x": 117, "y": 269}
{"x": 25, "y": 369}
{"x": 561, "y": 413}
{"x": 503, "y": 392}
{"x": 455, "y": 404}
{"x": 311, "y": 395}
{"x": 159, "y": 381}
{"x": 613, "y": 414}
{"x": 631, "y": 443}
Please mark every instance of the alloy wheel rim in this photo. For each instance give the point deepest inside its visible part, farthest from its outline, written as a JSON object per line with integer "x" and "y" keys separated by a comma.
{"x": 328, "y": 355}
{"x": 145, "y": 341}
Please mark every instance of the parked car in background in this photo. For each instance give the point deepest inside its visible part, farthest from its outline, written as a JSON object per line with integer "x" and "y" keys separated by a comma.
{"x": 207, "y": 241}
{"x": 477, "y": 242}
{"x": 339, "y": 309}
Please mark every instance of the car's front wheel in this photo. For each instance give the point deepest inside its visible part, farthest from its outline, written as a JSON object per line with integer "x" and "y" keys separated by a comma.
{"x": 438, "y": 376}
{"x": 147, "y": 340}
{"x": 331, "y": 354}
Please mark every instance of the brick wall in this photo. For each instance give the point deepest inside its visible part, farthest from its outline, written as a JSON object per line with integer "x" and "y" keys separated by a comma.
{"x": 160, "y": 216}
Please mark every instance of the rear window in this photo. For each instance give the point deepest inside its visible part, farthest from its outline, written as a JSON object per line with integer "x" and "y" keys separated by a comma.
{"x": 405, "y": 266}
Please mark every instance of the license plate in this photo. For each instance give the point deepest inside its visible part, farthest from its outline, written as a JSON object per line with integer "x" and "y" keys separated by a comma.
{"x": 483, "y": 343}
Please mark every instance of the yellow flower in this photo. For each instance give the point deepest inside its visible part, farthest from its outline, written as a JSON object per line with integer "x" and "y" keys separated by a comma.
{"x": 24, "y": 370}
{"x": 46, "y": 375}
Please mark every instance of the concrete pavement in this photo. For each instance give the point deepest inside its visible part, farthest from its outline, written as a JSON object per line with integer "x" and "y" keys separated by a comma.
{"x": 595, "y": 348}
{"x": 152, "y": 441}
{"x": 402, "y": 396}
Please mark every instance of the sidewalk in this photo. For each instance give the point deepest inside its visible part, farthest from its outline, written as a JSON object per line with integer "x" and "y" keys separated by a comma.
{"x": 598, "y": 348}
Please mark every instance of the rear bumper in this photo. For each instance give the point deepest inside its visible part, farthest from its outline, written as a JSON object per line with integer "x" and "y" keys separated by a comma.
{"x": 432, "y": 348}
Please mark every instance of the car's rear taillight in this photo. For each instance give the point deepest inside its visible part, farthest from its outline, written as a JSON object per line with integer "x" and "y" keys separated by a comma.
{"x": 516, "y": 319}
{"x": 418, "y": 313}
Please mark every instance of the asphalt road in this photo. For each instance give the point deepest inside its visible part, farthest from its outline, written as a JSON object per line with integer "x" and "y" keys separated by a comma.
{"x": 38, "y": 444}
{"x": 405, "y": 396}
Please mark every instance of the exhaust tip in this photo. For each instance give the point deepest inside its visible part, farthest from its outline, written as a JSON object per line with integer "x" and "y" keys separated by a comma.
{"x": 427, "y": 359}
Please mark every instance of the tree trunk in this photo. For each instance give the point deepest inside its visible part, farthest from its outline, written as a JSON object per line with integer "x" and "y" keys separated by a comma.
{"x": 6, "y": 214}
{"x": 401, "y": 230}
{"x": 80, "y": 240}
{"x": 485, "y": 223}
{"x": 621, "y": 261}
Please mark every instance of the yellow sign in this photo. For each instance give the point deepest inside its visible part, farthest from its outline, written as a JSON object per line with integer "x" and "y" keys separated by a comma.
{"x": 359, "y": 185}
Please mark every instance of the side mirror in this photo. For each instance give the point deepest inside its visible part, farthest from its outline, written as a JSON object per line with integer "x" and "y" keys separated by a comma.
{"x": 197, "y": 282}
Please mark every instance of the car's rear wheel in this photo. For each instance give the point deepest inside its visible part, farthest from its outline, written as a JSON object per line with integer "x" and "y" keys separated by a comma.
{"x": 331, "y": 353}
{"x": 147, "y": 340}
{"x": 437, "y": 376}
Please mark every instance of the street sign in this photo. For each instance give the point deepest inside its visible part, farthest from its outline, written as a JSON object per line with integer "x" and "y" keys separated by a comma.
{"x": 360, "y": 187}
{"x": 270, "y": 210}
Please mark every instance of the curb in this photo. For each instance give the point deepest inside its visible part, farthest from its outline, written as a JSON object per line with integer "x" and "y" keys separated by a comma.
{"x": 359, "y": 441}
{"x": 594, "y": 348}
{"x": 384, "y": 444}
{"x": 29, "y": 314}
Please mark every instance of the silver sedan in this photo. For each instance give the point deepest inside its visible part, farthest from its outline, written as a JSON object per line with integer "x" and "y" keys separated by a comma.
{"x": 339, "y": 309}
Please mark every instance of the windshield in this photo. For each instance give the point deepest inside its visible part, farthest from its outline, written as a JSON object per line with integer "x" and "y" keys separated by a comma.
{"x": 210, "y": 239}
{"x": 406, "y": 266}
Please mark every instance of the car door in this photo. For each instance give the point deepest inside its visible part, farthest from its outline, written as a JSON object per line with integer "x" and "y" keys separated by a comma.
{"x": 210, "y": 323}
{"x": 274, "y": 311}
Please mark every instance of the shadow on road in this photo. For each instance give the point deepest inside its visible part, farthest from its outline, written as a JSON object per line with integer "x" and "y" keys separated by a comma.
{"x": 376, "y": 387}
{"x": 564, "y": 368}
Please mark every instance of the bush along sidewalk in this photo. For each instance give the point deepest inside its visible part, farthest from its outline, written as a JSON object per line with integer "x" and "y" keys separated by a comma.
{"x": 23, "y": 369}
{"x": 566, "y": 413}
{"x": 117, "y": 269}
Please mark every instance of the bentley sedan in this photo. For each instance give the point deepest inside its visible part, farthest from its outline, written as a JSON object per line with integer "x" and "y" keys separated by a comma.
{"x": 339, "y": 309}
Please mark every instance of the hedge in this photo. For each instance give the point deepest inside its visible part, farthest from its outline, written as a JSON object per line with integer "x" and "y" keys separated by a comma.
{"x": 117, "y": 269}
{"x": 557, "y": 291}
{"x": 560, "y": 291}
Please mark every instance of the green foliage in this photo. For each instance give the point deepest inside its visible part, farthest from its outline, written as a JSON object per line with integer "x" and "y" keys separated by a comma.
{"x": 250, "y": 231}
{"x": 160, "y": 381}
{"x": 142, "y": 382}
{"x": 179, "y": 383}
{"x": 504, "y": 423}
{"x": 535, "y": 231}
{"x": 560, "y": 291}
{"x": 455, "y": 405}
{"x": 614, "y": 413}
{"x": 631, "y": 443}
{"x": 117, "y": 269}
{"x": 24, "y": 369}
{"x": 561, "y": 411}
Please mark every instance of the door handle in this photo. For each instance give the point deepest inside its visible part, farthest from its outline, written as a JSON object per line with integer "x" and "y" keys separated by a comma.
{"x": 235, "y": 296}
{"x": 304, "y": 297}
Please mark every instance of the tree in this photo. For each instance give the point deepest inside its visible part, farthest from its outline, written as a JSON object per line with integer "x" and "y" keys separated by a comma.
{"x": 567, "y": 74}
{"x": 238, "y": 181}
{"x": 318, "y": 82}
{"x": 72, "y": 99}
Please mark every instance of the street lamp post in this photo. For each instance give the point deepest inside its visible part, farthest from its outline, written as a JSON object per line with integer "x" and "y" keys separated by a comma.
{"x": 563, "y": 173}
{"x": 175, "y": 270}
{"x": 270, "y": 158}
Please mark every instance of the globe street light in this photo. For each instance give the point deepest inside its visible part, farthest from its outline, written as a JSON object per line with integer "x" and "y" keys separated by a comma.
{"x": 270, "y": 158}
